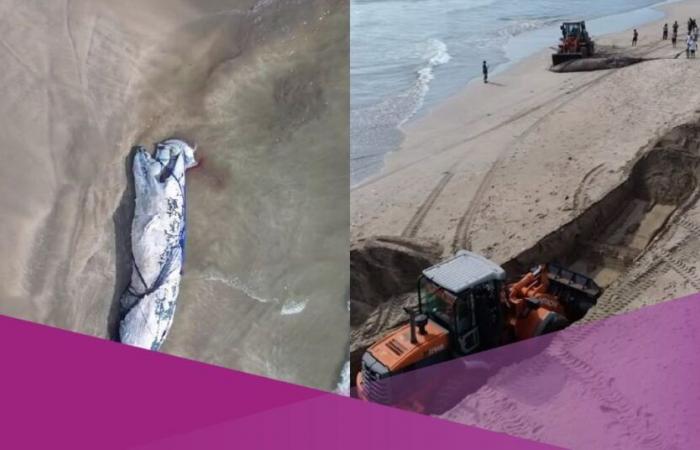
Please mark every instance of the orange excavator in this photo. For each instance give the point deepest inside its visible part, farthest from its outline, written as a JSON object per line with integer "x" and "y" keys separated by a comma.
{"x": 466, "y": 305}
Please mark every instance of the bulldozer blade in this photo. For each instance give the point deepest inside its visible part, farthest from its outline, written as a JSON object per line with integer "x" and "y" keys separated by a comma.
{"x": 559, "y": 58}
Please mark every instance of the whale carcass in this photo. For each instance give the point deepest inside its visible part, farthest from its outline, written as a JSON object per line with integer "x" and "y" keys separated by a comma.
{"x": 158, "y": 233}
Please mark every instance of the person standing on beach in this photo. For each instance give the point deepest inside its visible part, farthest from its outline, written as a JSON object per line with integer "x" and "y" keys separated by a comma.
{"x": 675, "y": 27}
{"x": 485, "y": 70}
{"x": 665, "y": 33}
{"x": 674, "y": 38}
{"x": 634, "y": 38}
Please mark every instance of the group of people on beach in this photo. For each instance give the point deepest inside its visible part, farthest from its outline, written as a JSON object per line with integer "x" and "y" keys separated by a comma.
{"x": 691, "y": 45}
{"x": 674, "y": 36}
{"x": 690, "y": 50}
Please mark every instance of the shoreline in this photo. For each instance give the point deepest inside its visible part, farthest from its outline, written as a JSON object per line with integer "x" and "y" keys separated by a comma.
{"x": 540, "y": 149}
{"x": 439, "y": 118}
{"x": 504, "y": 69}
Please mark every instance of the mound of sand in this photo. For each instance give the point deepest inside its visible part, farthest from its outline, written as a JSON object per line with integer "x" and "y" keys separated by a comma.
{"x": 384, "y": 267}
{"x": 383, "y": 275}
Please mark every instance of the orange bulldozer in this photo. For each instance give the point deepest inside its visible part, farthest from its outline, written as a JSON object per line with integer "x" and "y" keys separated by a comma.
{"x": 575, "y": 43}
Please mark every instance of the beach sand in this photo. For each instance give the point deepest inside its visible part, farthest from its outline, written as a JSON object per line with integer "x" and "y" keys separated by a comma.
{"x": 261, "y": 87}
{"x": 500, "y": 166}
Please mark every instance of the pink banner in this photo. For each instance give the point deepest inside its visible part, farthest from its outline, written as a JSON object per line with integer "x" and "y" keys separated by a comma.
{"x": 65, "y": 390}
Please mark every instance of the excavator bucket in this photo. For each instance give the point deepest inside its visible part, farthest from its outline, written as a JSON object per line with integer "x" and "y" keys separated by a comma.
{"x": 577, "y": 293}
{"x": 559, "y": 58}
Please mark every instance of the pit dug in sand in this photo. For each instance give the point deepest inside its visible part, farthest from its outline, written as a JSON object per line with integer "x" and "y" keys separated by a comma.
{"x": 158, "y": 234}
{"x": 603, "y": 241}
{"x": 608, "y": 236}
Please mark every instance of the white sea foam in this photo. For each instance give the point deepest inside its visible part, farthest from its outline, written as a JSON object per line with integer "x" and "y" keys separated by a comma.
{"x": 406, "y": 54}
{"x": 343, "y": 387}
{"x": 235, "y": 283}
{"x": 290, "y": 306}
{"x": 436, "y": 54}
{"x": 293, "y": 306}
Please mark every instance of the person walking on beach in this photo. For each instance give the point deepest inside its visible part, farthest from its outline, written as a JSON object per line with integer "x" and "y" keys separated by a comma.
{"x": 634, "y": 38}
{"x": 665, "y": 33}
{"x": 692, "y": 46}
{"x": 675, "y": 27}
{"x": 485, "y": 70}
{"x": 674, "y": 38}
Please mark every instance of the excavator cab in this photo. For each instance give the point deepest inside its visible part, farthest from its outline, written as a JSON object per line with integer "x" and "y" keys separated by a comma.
{"x": 459, "y": 312}
{"x": 464, "y": 296}
{"x": 573, "y": 29}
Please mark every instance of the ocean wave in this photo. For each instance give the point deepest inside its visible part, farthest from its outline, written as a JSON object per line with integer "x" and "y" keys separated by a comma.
{"x": 373, "y": 127}
{"x": 392, "y": 112}
{"x": 293, "y": 306}
{"x": 435, "y": 55}
{"x": 520, "y": 26}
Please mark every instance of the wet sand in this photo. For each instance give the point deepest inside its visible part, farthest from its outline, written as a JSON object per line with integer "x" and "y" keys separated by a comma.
{"x": 261, "y": 88}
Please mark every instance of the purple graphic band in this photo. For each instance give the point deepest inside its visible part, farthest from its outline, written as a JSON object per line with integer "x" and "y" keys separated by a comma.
{"x": 65, "y": 390}
{"x": 629, "y": 381}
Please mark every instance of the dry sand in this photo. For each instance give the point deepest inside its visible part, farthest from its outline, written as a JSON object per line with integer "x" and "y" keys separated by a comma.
{"x": 261, "y": 87}
{"x": 502, "y": 168}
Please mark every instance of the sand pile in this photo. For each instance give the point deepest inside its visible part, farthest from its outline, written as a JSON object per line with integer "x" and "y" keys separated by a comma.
{"x": 384, "y": 267}
{"x": 261, "y": 88}
{"x": 383, "y": 276}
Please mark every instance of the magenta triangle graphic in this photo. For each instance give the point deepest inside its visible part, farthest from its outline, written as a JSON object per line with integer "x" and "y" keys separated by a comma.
{"x": 65, "y": 390}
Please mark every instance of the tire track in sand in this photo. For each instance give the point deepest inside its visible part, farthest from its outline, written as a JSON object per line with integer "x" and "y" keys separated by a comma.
{"x": 505, "y": 415}
{"x": 417, "y": 220}
{"x": 686, "y": 271}
{"x": 612, "y": 401}
{"x": 491, "y": 129}
{"x": 686, "y": 249}
{"x": 461, "y": 239}
{"x": 580, "y": 196}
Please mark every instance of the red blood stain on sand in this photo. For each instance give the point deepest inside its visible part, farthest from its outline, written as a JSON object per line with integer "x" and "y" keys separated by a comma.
{"x": 207, "y": 172}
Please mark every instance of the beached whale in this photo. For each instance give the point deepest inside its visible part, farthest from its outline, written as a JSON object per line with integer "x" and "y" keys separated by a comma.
{"x": 158, "y": 233}
{"x": 592, "y": 64}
